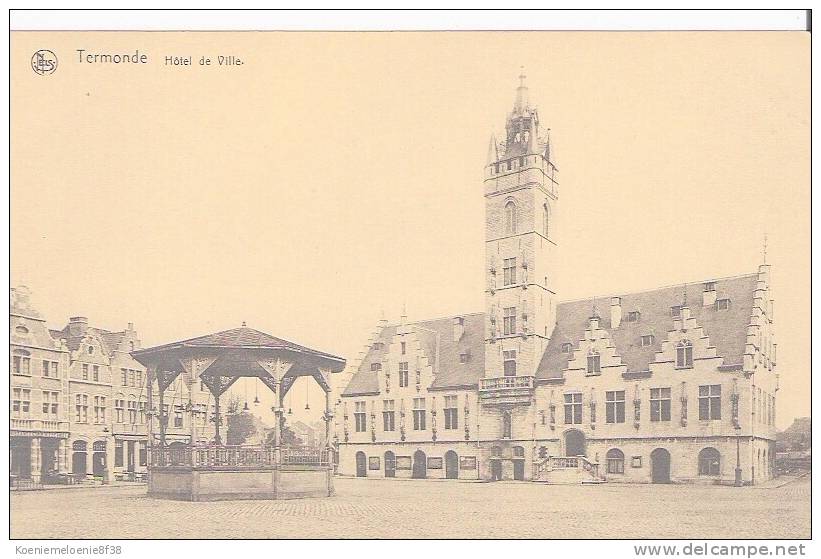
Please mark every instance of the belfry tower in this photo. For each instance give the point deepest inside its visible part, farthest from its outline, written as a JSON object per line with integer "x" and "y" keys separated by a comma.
{"x": 521, "y": 195}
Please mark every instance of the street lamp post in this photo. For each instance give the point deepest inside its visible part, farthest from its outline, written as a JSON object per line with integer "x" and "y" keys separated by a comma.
{"x": 738, "y": 482}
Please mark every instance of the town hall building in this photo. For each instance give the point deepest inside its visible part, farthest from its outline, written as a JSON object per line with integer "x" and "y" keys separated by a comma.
{"x": 674, "y": 384}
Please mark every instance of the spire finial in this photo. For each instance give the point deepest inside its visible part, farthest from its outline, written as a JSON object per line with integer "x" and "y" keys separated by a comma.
{"x": 521, "y": 92}
{"x": 765, "y": 247}
{"x": 243, "y": 324}
{"x": 522, "y": 76}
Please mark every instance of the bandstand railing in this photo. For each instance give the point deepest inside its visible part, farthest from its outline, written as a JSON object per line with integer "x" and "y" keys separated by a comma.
{"x": 236, "y": 457}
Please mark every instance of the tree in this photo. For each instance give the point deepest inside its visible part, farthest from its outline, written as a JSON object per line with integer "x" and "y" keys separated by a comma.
{"x": 240, "y": 423}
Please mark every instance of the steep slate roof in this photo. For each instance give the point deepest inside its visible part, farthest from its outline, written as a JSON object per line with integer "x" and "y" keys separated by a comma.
{"x": 109, "y": 340}
{"x": 451, "y": 373}
{"x": 727, "y": 331}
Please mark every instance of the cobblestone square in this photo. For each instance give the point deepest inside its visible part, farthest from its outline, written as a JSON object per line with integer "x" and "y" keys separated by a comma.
{"x": 377, "y": 508}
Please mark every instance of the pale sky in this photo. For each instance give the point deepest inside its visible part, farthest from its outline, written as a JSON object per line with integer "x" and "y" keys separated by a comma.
{"x": 334, "y": 176}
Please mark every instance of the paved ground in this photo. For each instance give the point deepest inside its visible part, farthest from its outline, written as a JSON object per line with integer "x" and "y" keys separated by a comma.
{"x": 369, "y": 508}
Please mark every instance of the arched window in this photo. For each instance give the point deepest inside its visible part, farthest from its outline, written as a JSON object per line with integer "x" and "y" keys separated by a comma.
{"x": 615, "y": 461}
{"x": 709, "y": 462}
{"x": 518, "y": 452}
{"x": 496, "y": 451}
{"x": 546, "y": 221}
{"x": 510, "y": 217}
{"x": 593, "y": 362}
{"x": 684, "y": 354}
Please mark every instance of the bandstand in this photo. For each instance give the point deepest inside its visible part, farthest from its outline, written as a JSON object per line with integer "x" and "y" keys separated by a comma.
{"x": 210, "y": 470}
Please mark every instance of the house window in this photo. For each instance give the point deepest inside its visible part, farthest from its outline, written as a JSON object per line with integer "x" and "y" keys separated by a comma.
{"x": 510, "y": 218}
{"x": 377, "y": 346}
{"x": 509, "y": 321}
{"x": 21, "y": 402}
{"x": 81, "y": 408}
{"x": 91, "y": 350}
{"x": 573, "y": 408}
{"x": 359, "y": 417}
{"x": 376, "y": 367}
{"x": 633, "y": 316}
{"x": 99, "y": 409}
{"x": 660, "y": 404}
{"x": 647, "y": 340}
{"x": 50, "y": 369}
{"x": 124, "y": 377}
{"x": 96, "y": 375}
{"x": 710, "y": 286}
{"x": 451, "y": 412}
{"x": 388, "y": 415}
{"x": 419, "y": 414}
{"x": 722, "y": 304}
{"x": 143, "y": 453}
{"x": 118, "y": 410}
{"x": 141, "y": 408}
{"x": 509, "y": 271}
{"x": 132, "y": 381}
{"x": 567, "y": 347}
{"x": 132, "y": 411}
{"x": 118, "y": 453}
{"x": 593, "y": 362}
{"x": 139, "y": 378}
{"x": 463, "y": 358}
{"x": 675, "y": 311}
{"x": 507, "y": 425}
{"x": 614, "y": 406}
{"x": 684, "y": 354}
{"x": 21, "y": 365}
{"x": 403, "y": 373}
{"x": 709, "y": 402}
{"x": 509, "y": 362}
{"x": 403, "y": 347}
{"x": 709, "y": 462}
{"x": 615, "y": 461}
{"x": 177, "y": 418}
{"x": 85, "y": 371}
{"x": 50, "y": 403}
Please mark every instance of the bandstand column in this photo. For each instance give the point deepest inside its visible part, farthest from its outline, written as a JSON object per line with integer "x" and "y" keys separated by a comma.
{"x": 217, "y": 439}
{"x": 163, "y": 416}
{"x": 150, "y": 415}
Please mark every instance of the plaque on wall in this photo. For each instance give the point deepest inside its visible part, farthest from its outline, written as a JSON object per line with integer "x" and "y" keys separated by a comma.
{"x": 403, "y": 462}
{"x": 434, "y": 463}
{"x": 373, "y": 463}
{"x": 467, "y": 462}
{"x": 636, "y": 462}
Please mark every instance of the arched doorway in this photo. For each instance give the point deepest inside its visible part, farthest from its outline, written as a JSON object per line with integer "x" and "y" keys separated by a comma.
{"x": 361, "y": 464}
{"x": 709, "y": 462}
{"x": 78, "y": 457}
{"x": 451, "y": 465}
{"x": 390, "y": 464}
{"x": 574, "y": 443}
{"x": 98, "y": 463}
{"x": 518, "y": 463}
{"x": 420, "y": 467}
{"x": 660, "y": 465}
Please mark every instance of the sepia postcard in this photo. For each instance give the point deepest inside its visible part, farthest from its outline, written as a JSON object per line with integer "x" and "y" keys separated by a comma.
{"x": 409, "y": 282}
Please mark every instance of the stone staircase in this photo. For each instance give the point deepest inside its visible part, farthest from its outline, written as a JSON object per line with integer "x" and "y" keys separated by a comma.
{"x": 567, "y": 470}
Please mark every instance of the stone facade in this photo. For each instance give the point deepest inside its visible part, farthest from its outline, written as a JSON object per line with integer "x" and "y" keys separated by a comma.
{"x": 674, "y": 384}
{"x": 87, "y": 415}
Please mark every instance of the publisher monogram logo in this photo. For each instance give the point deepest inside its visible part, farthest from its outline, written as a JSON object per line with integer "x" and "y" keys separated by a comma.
{"x": 44, "y": 62}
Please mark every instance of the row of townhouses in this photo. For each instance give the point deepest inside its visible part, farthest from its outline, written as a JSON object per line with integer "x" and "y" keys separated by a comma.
{"x": 78, "y": 401}
{"x": 669, "y": 384}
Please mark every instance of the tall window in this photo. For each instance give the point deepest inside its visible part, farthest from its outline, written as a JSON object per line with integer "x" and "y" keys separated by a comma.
{"x": 132, "y": 411}
{"x": 119, "y": 404}
{"x": 388, "y": 415}
{"x": 85, "y": 371}
{"x": 118, "y": 453}
{"x": 403, "y": 373}
{"x": 141, "y": 407}
{"x": 509, "y": 321}
{"x": 509, "y": 362}
{"x": 359, "y": 417}
{"x": 709, "y": 402}
{"x": 510, "y": 218}
{"x": 419, "y": 414}
{"x": 81, "y": 408}
{"x": 684, "y": 354}
{"x": 50, "y": 369}
{"x": 709, "y": 462}
{"x": 124, "y": 377}
{"x": 21, "y": 365}
{"x": 546, "y": 221}
{"x": 614, "y": 406}
{"x": 403, "y": 347}
{"x": 573, "y": 408}
{"x": 139, "y": 378}
{"x": 593, "y": 362}
{"x": 99, "y": 409}
{"x": 376, "y": 367}
{"x": 451, "y": 412}
{"x": 177, "y": 418}
{"x": 50, "y": 403}
{"x": 21, "y": 402}
{"x": 96, "y": 371}
{"x": 615, "y": 461}
{"x": 660, "y": 404}
{"x": 675, "y": 311}
{"x": 509, "y": 271}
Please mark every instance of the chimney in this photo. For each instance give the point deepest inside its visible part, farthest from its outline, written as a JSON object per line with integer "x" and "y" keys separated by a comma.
{"x": 594, "y": 323}
{"x": 130, "y": 327}
{"x": 615, "y": 312}
{"x": 708, "y": 297}
{"x": 77, "y": 326}
{"x": 458, "y": 328}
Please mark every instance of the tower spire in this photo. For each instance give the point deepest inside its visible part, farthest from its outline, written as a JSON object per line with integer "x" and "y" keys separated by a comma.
{"x": 521, "y": 92}
{"x": 765, "y": 248}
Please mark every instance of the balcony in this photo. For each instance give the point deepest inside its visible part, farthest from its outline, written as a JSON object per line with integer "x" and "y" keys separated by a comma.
{"x": 33, "y": 426}
{"x": 510, "y": 390}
